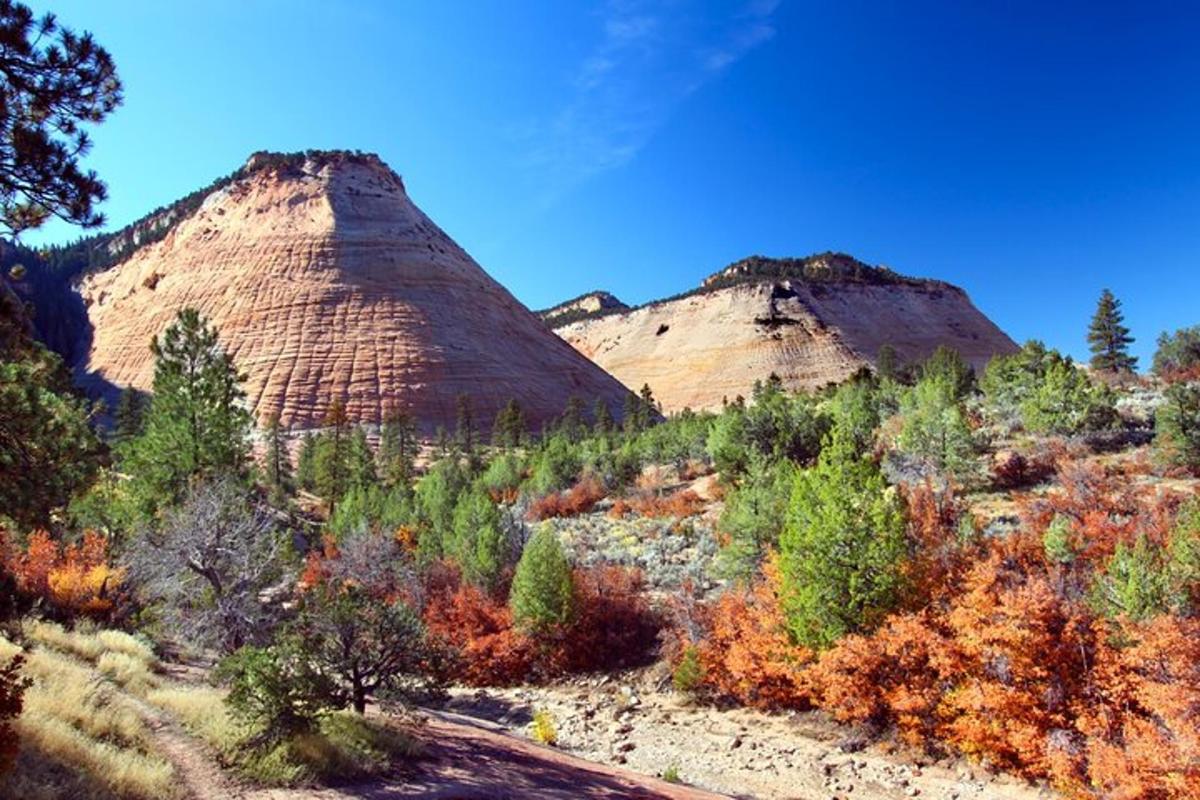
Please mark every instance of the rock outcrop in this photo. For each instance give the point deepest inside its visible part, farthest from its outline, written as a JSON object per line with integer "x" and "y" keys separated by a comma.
{"x": 810, "y": 321}
{"x": 582, "y": 307}
{"x": 324, "y": 280}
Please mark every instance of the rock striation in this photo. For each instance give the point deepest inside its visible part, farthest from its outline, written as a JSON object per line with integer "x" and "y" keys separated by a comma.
{"x": 326, "y": 281}
{"x": 810, "y": 321}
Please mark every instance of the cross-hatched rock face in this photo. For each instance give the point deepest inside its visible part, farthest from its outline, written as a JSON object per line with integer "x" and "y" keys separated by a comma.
{"x": 325, "y": 281}
{"x": 701, "y": 349}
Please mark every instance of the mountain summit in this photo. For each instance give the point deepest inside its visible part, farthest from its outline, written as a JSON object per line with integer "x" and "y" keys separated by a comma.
{"x": 811, "y": 321}
{"x": 325, "y": 280}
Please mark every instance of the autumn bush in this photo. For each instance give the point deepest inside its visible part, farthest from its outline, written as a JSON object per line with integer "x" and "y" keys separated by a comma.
{"x": 579, "y": 499}
{"x": 612, "y": 626}
{"x": 70, "y": 579}
{"x": 678, "y": 505}
{"x": 998, "y": 648}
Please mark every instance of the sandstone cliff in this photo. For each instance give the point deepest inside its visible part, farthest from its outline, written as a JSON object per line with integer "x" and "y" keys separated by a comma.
{"x": 325, "y": 280}
{"x": 810, "y": 321}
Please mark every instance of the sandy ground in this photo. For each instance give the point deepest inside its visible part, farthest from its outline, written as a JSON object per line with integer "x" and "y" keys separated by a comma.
{"x": 738, "y": 753}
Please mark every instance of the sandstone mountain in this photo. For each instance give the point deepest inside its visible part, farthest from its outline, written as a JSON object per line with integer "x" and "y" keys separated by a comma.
{"x": 810, "y": 321}
{"x": 325, "y": 280}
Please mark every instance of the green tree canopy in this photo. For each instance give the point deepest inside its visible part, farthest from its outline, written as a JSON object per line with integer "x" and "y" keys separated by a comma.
{"x": 197, "y": 426}
{"x": 543, "y": 591}
{"x": 1108, "y": 338}
{"x": 843, "y": 547}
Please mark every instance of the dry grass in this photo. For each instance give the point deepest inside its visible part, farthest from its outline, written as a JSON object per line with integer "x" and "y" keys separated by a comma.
{"x": 132, "y": 673}
{"x": 90, "y": 645}
{"x": 80, "y": 736}
{"x": 345, "y": 746}
{"x": 202, "y": 710}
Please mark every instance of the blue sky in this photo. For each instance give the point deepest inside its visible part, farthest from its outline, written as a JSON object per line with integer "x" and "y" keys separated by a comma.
{"x": 1032, "y": 153}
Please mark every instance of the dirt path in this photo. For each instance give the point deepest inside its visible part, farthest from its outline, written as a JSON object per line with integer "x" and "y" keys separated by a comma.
{"x": 464, "y": 759}
{"x": 200, "y": 774}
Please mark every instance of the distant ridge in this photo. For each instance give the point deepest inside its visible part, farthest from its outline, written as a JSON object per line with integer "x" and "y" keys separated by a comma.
{"x": 811, "y": 321}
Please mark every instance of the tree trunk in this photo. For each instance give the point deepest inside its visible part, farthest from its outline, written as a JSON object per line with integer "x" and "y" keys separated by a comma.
{"x": 360, "y": 699}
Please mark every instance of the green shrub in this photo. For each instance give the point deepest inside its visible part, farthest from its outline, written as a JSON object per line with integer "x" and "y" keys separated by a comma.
{"x": 843, "y": 547}
{"x": 1066, "y": 401}
{"x": 935, "y": 429}
{"x": 1177, "y": 426}
{"x": 1177, "y": 352}
{"x": 753, "y": 517}
{"x": 543, "y": 590}
{"x": 276, "y": 690}
{"x": 689, "y": 672}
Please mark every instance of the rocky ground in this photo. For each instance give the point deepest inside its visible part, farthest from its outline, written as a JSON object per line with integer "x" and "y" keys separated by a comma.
{"x": 630, "y": 721}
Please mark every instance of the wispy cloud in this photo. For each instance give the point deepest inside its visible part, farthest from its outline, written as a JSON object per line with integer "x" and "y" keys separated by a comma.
{"x": 649, "y": 57}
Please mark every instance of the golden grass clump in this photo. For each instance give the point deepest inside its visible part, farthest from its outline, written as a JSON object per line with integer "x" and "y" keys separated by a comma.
{"x": 123, "y": 772}
{"x": 80, "y": 736}
{"x": 128, "y": 645}
{"x": 202, "y": 711}
{"x": 130, "y": 672}
{"x": 50, "y": 634}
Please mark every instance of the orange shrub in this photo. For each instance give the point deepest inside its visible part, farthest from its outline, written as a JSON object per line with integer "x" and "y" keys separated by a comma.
{"x": 579, "y": 499}
{"x": 892, "y": 675}
{"x": 478, "y": 629}
{"x": 679, "y": 504}
{"x": 1143, "y": 740}
{"x": 73, "y": 579}
{"x": 614, "y": 626}
{"x": 747, "y": 654}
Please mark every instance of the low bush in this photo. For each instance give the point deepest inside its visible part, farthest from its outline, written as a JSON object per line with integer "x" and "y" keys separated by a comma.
{"x": 543, "y": 729}
{"x": 579, "y": 499}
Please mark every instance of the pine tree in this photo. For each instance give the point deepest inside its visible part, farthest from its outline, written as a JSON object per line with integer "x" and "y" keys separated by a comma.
{"x": 509, "y": 429}
{"x": 129, "y": 416}
{"x": 360, "y": 461}
{"x": 887, "y": 363}
{"x": 603, "y": 417}
{"x": 1177, "y": 426}
{"x": 478, "y": 542}
{"x": 55, "y": 82}
{"x": 629, "y": 413}
{"x": 306, "y": 462}
{"x": 1108, "y": 338}
{"x": 331, "y": 466}
{"x": 647, "y": 408}
{"x": 543, "y": 591}
{"x": 843, "y": 547}
{"x": 464, "y": 427}
{"x": 277, "y": 469}
{"x": 398, "y": 447}
{"x": 197, "y": 425}
{"x": 572, "y": 424}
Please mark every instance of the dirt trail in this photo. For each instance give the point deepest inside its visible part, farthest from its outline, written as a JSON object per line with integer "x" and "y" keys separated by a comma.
{"x": 200, "y": 774}
{"x": 463, "y": 759}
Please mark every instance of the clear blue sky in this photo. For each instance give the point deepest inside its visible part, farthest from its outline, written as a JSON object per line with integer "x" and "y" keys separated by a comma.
{"x": 1032, "y": 153}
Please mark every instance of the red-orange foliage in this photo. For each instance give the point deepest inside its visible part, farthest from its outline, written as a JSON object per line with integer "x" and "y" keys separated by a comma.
{"x": 478, "y": 628}
{"x": 613, "y": 627}
{"x": 679, "y": 504}
{"x": 73, "y": 579}
{"x": 747, "y": 654}
{"x": 1143, "y": 736}
{"x": 579, "y": 499}
{"x": 1003, "y": 659}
